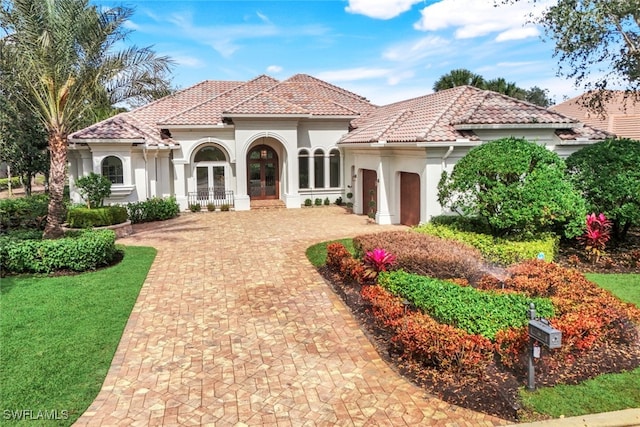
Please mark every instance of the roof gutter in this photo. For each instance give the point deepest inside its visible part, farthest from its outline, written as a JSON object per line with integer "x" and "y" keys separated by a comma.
{"x": 532, "y": 125}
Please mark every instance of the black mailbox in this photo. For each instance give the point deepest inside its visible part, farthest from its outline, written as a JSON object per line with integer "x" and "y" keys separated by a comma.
{"x": 545, "y": 334}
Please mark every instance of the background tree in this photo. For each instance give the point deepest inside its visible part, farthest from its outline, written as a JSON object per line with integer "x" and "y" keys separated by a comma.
{"x": 458, "y": 77}
{"x": 66, "y": 57}
{"x": 515, "y": 187}
{"x": 23, "y": 141}
{"x": 462, "y": 77}
{"x": 597, "y": 43}
{"x": 608, "y": 175}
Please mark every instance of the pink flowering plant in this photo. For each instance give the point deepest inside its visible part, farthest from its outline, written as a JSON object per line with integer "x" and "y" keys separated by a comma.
{"x": 596, "y": 236}
{"x": 376, "y": 261}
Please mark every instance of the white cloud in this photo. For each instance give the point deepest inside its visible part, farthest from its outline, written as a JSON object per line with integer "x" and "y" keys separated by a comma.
{"x": 130, "y": 25}
{"x": 353, "y": 74}
{"x": 400, "y": 76}
{"x": 188, "y": 61}
{"x": 417, "y": 49}
{"x": 380, "y": 9}
{"x": 479, "y": 18}
{"x": 275, "y": 69}
{"x": 518, "y": 33}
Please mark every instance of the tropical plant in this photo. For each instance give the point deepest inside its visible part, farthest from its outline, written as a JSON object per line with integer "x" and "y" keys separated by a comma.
{"x": 608, "y": 176}
{"x": 376, "y": 261}
{"x": 94, "y": 189}
{"x": 596, "y": 236}
{"x": 458, "y": 77}
{"x": 66, "y": 57}
{"x": 516, "y": 187}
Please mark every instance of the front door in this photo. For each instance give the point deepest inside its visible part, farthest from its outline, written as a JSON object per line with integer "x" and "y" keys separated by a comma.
{"x": 262, "y": 163}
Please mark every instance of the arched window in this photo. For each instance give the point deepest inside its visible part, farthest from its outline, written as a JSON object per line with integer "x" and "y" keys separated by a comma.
{"x": 303, "y": 168}
{"x": 334, "y": 168}
{"x": 210, "y": 154}
{"x": 112, "y": 169}
{"x": 318, "y": 168}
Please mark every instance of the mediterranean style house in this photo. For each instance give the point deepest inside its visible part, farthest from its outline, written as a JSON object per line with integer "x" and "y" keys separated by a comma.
{"x": 620, "y": 115}
{"x": 238, "y": 143}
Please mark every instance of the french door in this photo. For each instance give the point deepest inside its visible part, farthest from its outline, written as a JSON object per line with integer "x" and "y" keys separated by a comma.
{"x": 262, "y": 164}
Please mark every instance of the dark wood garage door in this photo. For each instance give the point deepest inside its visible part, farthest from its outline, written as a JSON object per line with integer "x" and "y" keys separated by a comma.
{"x": 409, "y": 198}
{"x": 369, "y": 192}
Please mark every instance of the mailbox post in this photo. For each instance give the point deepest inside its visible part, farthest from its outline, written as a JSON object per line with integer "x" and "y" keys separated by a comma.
{"x": 540, "y": 331}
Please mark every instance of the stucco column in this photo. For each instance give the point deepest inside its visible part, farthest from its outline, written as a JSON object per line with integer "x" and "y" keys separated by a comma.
{"x": 87, "y": 163}
{"x": 152, "y": 169}
{"x": 180, "y": 184}
{"x": 162, "y": 174}
{"x": 385, "y": 184}
{"x": 292, "y": 193}
{"x": 242, "y": 201}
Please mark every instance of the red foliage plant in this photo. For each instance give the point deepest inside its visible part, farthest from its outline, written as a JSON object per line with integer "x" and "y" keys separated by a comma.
{"x": 585, "y": 313}
{"x": 424, "y": 340}
{"x": 596, "y": 236}
{"x": 341, "y": 261}
{"x": 376, "y": 261}
{"x": 426, "y": 255}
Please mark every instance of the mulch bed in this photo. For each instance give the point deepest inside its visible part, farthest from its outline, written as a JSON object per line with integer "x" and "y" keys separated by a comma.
{"x": 495, "y": 391}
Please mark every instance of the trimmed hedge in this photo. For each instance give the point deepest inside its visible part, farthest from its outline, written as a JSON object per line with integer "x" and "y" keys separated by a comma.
{"x": 15, "y": 183}
{"x": 86, "y": 250}
{"x": 497, "y": 250}
{"x": 474, "y": 311}
{"x": 24, "y": 212}
{"x": 154, "y": 209}
{"x": 98, "y": 217}
{"x": 426, "y": 255}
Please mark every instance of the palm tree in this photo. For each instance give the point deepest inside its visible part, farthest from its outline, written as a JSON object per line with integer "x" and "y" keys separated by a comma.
{"x": 66, "y": 59}
{"x": 500, "y": 85}
{"x": 459, "y": 77}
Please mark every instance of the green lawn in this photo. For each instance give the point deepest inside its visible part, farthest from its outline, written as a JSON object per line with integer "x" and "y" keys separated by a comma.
{"x": 59, "y": 335}
{"x": 605, "y": 393}
{"x": 317, "y": 254}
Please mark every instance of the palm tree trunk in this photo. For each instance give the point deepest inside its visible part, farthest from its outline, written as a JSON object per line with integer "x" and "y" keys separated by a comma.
{"x": 57, "y": 177}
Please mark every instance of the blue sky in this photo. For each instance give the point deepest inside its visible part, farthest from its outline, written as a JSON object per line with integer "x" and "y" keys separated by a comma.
{"x": 386, "y": 50}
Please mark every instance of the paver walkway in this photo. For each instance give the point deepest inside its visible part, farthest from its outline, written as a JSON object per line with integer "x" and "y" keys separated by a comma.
{"x": 233, "y": 326}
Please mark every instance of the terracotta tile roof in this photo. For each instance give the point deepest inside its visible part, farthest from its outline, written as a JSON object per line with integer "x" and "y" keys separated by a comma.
{"x": 442, "y": 117}
{"x": 621, "y": 117}
{"x": 265, "y": 103}
{"x": 123, "y": 127}
{"x": 210, "y": 111}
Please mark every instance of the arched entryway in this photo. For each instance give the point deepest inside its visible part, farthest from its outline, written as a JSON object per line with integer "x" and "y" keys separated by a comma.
{"x": 262, "y": 173}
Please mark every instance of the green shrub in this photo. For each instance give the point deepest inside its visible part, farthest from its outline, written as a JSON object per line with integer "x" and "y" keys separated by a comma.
{"x": 474, "y": 311}
{"x": 211, "y": 207}
{"x": 339, "y": 201}
{"x": 24, "y": 212}
{"x": 94, "y": 189}
{"x": 318, "y": 202}
{"x": 608, "y": 175}
{"x": 308, "y": 202}
{"x": 327, "y": 202}
{"x": 99, "y": 217}
{"x": 87, "y": 250}
{"x": 225, "y": 208}
{"x": 517, "y": 187}
{"x": 497, "y": 250}
{"x": 15, "y": 183}
{"x": 195, "y": 207}
{"x": 154, "y": 209}
{"x": 427, "y": 255}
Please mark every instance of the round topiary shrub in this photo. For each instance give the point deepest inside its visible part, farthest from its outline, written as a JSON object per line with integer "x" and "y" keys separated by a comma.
{"x": 516, "y": 187}
{"x": 608, "y": 175}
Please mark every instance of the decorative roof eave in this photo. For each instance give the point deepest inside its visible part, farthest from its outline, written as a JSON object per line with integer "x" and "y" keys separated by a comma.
{"x": 445, "y": 144}
{"x": 465, "y": 126}
{"x": 108, "y": 140}
{"x": 378, "y": 144}
{"x": 201, "y": 126}
{"x": 267, "y": 116}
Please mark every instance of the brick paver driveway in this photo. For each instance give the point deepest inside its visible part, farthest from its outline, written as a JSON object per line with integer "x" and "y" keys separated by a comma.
{"x": 233, "y": 326}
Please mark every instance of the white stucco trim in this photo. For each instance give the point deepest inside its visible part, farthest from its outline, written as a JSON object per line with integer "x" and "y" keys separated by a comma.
{"x": 202, "y": 142}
